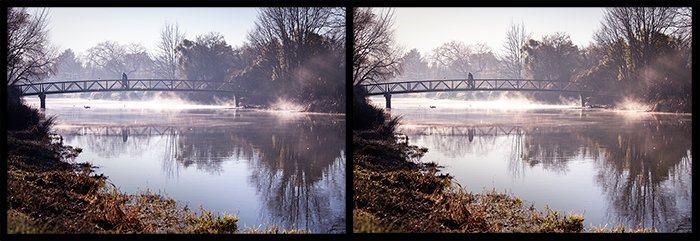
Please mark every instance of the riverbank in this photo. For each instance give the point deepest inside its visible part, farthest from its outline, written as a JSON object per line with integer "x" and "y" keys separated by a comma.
{"x": 49, "y": 193}
{"x": 395, "y": 192}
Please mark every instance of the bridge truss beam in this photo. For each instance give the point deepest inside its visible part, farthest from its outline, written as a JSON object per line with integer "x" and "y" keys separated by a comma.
{"x": 122, "y": 85}
{"x": 423, "y": 86}
{"x": 79, "y": 86}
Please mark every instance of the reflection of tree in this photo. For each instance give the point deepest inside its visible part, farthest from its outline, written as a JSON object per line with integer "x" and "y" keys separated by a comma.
{"x": 206, "y": 150}
{"x": 644, "y": 167}
{"x": 457, "y": 146}
{"x": 112, "y": 146}
{"x": 300, "y": 172}
{"x": 645, "y": 173}
{"x": 551, "y": 150}
{"x": 170, "y": 168}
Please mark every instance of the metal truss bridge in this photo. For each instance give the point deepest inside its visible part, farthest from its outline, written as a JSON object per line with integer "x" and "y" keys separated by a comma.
{"x": 422, "y": 86}
{"x": 61, "y": 87}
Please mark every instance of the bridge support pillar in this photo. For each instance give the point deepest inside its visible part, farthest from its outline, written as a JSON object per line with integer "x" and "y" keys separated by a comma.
{"x": 583, "y": 100}
{"x": 235, "y": 101}
{"x": 388, "y": 100}
{"x": 42, "y": 101}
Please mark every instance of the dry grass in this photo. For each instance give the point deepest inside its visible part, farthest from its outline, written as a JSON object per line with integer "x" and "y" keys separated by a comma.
{"x": 273, "y": 230}
{"x": 620, "y": 229}
{"x": 365, "y": 222}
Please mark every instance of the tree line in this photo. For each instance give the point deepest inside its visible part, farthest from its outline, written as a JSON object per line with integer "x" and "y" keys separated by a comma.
{"x": 293, "y": 54}
{"x": 640, "y": 53}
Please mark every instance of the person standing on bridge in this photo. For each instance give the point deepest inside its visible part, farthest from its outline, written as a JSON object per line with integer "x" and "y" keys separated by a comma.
{"x": 125, "y": 81}
{"x": 471, "y": 80}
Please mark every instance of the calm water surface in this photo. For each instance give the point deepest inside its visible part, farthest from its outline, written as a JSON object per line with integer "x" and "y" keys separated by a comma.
{"x": 277, "y": 168}
{"x": 614, "y": 167}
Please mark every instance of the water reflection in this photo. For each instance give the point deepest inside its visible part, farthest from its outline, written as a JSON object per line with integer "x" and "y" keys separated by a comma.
{"x": 647, "y": 172}
{"x": 294, "y": 160}
{"x": 296, "y": 165}
{"x": 640, "y": 164}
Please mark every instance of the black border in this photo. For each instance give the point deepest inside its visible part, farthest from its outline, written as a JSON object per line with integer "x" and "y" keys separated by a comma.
{"x": 349, "y": 4}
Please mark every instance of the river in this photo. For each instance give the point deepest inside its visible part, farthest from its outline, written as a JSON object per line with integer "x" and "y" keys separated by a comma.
{"x": 267, "y": 167}
{"x": 614, "y": 167}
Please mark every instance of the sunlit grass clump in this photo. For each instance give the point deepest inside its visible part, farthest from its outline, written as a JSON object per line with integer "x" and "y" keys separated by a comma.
{"x": 620, "y": 229}
{"x": 207, "y": 223}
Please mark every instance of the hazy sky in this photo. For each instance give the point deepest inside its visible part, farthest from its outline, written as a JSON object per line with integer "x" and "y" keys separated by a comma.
{"x": 83, "y": 28}
{"x": 428, "y": 28}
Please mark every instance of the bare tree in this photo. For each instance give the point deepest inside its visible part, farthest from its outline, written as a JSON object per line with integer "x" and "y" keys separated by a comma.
{"x": 107, "y": 56}
{"x": 482, "y": 58}
{"x": 514, "y": 57}
{"x": 138, "y": 62}
{"x": 112, "y": 59}
{"x": 29, "y": 56}
{"x": 296, "y": 30}
{"x": 683, "y": 24}
{"x": 640, "y": 30}
{"x": 453, "y": 56}
{"x": 647, "y": 53}
{"x": 375, "y": 56}
{"x": 456, "y": 59}
{"x": 166, "y": 57}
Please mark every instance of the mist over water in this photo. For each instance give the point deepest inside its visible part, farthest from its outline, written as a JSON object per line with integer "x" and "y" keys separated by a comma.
{"x": 505, "y": 103}
{"x": 166, "y": 102}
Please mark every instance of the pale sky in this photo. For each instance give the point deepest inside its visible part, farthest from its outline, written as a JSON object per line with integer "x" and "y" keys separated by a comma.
{"x": 428, "y": 28}
{"x": 82, "y": 28}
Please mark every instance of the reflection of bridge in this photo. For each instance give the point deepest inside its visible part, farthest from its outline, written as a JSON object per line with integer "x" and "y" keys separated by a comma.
{"x": 78, "y": 86}
{"x": 126, "y": 131}
{"x": 121, "y": 130}
{"x": 477, "y": 130}
{"x": 422, "y": 86}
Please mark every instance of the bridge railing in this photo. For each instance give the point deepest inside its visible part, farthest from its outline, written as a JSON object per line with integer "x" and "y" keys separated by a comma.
{"x": 58, "y": 87}
{"x": 404, "y": 87}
